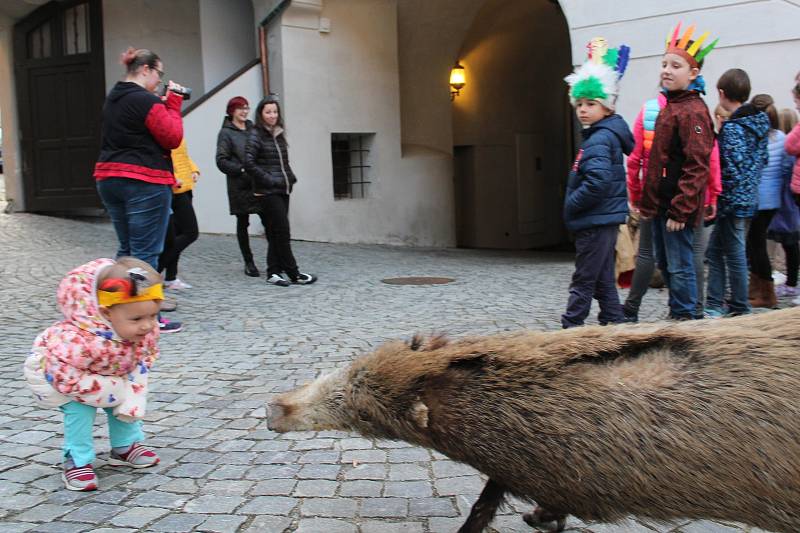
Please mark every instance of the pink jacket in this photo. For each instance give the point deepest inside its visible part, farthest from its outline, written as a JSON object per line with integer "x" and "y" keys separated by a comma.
{"x": 638, "y": 159}
{"x": 792, "y": 147}
{"x": 82, "y": 359}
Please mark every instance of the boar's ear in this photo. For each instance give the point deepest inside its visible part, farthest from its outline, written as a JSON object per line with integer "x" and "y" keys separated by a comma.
{"x": 419, "y": 343}
{"x": 419, "y": 414}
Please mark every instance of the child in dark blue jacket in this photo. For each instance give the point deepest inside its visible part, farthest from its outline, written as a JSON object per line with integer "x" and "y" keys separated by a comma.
{"x": 596, "y": 201}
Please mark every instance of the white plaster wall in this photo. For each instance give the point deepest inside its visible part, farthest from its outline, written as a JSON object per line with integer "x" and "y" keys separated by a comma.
{"x": 227, "y": 36}
{"x": 347, "y": 81}
{"x": 170, "y": 29}
{"x": 8, "y": 110}
{"x": 201, "y": 127}
{"x": 762, "y": 37}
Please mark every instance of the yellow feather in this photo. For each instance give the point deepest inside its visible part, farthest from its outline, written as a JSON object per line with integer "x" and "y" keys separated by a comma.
{"x": 686, "y": 37}
{"x": 696, "y": 45}
{"x": 599, "y": 49}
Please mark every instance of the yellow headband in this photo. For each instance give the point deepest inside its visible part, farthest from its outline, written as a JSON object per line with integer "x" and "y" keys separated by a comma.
{"x": 107, "y": 299}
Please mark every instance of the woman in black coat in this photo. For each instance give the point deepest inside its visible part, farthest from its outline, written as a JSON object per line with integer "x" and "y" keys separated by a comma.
{"x": 267, "y": 162}
{"x": 231, "y": 142}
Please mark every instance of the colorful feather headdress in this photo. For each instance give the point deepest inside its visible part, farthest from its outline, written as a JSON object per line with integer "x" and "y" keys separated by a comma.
{"x": 598, "y": 78}
{"x": 691, "y": 52}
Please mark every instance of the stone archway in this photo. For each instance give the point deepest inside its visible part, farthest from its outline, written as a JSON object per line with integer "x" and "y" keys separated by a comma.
{"x": 512, "y": 133}
{"x": 508, "y": 135}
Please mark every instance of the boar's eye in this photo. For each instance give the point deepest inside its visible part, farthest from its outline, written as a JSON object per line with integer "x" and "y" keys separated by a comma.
{"x": 416, "y": 343}
{"x": 363, "y": 415}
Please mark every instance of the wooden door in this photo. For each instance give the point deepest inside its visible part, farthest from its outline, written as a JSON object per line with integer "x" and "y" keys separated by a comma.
{"x": 58, "y": 61}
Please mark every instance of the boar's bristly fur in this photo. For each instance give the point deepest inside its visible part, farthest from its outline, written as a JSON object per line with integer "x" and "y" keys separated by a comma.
{"x": 690, "y": 420}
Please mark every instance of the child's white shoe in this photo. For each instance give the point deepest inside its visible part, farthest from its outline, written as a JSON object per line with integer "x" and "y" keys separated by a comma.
{"x": 81, "y": 479}
{"x": 137, "y": 456}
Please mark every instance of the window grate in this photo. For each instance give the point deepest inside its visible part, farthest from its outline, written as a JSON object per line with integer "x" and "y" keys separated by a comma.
{"x": 352, "y": 169}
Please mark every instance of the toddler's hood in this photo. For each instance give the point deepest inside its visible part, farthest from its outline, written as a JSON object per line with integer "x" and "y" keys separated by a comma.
{"x": 77, "y": 298}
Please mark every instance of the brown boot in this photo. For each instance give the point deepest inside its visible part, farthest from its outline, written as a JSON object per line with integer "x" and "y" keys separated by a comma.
{"x": 764, "y": 293}
{"x": 768, "y": 294}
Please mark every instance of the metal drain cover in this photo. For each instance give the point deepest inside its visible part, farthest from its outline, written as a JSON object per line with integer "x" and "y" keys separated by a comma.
{"x": 417, "y": 280}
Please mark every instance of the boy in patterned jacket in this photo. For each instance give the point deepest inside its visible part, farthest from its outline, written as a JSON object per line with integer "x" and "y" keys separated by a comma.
{"x": 743, "y": 153}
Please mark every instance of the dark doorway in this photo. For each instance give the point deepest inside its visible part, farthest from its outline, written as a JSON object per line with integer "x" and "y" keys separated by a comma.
{"x": 58, "y": 63}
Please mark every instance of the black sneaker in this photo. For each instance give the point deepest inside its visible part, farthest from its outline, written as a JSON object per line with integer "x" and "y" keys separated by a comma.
{"x": 251, "y": 270}
{"x": 630, "y": 316}
{"x": 275, "y": 279}
{"x": 304, "y": 279}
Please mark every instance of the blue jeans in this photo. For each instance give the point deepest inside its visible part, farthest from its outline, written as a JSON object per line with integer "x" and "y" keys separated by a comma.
{"x": 593, "y": 278}
{"x": 78, "y": 424}
{"x": 140, "y": 213}
{"x": 675, "y": 256}
{"x": 727, "y": 259}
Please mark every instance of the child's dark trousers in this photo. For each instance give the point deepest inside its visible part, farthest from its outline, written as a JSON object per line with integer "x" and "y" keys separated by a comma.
{"x": 594, "y": 277}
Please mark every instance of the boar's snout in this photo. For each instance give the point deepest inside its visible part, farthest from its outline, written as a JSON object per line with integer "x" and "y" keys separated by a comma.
{"x": 275, "y": 413}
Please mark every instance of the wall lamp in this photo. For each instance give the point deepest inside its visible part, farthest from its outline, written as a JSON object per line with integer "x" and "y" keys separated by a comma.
{"x": 458, "y": 79}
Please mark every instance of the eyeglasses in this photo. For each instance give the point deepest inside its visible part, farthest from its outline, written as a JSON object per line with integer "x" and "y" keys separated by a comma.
{"x": 160, "y": 72}
{"x": 244, "y": 108}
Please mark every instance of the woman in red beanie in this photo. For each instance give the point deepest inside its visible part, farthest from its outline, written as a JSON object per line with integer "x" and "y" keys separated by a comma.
{"x": 231, "y": 141}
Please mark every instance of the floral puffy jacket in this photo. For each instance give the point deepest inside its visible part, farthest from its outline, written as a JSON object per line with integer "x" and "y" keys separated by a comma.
{"x": 82, "y": 359}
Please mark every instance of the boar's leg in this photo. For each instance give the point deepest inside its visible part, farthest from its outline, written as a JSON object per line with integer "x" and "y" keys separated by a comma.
{"x": 484, "y": 509}
{"x": 541, "y": 517}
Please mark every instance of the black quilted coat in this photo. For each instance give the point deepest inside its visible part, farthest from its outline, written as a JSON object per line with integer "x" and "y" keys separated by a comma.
{"x": 231, "y": 143}
{"x": 267, "y": 162}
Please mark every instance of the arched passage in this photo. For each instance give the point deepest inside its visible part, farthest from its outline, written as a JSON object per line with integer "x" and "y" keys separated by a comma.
{"x": 512, "y": 135}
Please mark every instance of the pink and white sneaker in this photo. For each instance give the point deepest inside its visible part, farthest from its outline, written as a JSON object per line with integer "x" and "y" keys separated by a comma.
{"x": 80, "y": 478}
{"x": 137, "y": 456}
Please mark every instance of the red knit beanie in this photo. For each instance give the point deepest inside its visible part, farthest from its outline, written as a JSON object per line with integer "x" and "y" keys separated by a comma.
{"x": 235, "y": 103}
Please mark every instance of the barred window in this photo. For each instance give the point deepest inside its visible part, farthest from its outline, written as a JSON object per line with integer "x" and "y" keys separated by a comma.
{"x": 352, "y": 169}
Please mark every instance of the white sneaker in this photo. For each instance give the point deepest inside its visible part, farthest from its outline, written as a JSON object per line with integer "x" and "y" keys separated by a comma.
{"x": 778, "y": 277}
{"x": 275, "y": 279}
{"x": 176, "y": 285}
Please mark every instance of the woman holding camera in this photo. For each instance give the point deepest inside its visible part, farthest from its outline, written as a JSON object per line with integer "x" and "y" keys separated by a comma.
{"x": 134, "y": 170}
{"x": 267, "y": 162}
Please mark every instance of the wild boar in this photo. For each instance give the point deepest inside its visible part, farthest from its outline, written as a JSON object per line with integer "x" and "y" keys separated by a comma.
{"x": 683, "y": 420}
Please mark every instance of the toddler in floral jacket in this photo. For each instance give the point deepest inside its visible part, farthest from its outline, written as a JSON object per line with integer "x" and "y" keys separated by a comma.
{"x": 100, "y": 356}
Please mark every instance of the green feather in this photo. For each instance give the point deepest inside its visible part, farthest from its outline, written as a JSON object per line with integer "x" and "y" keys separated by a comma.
{"x": 611, "y": 57}
{"x": 705, "y": 51}
{"x": 589, "y": 88}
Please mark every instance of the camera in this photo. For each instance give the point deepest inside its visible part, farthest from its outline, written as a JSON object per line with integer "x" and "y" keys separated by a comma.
{"x": 185, "y": 92}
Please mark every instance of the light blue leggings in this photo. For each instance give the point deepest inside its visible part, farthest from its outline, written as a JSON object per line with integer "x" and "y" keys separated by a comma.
{"x": 78, "y": 424}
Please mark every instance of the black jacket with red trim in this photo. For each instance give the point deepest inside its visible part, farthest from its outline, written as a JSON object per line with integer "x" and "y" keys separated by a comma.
{"x": 139, "y": 130}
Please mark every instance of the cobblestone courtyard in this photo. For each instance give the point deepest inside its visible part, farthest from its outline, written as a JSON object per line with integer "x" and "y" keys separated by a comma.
{"x": 221, "y": 469}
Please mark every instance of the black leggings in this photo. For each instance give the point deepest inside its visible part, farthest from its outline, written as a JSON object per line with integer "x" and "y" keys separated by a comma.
{"x": 279, "y": 248}
{"x": 757, "y": 256}
{"x": 181, "y": 232}
{"x": 792, "y": 252}
{"x": 243, "y": 236}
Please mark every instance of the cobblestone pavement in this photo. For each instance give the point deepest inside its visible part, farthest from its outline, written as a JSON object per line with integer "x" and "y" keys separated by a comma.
{"x": 221, "y": 469}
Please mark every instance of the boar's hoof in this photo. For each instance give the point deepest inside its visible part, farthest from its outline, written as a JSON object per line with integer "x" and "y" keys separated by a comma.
{"x": 541, "y": 518}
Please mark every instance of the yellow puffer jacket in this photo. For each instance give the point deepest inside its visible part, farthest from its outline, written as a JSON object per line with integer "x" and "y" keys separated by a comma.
{"x": 183, "y": 166}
